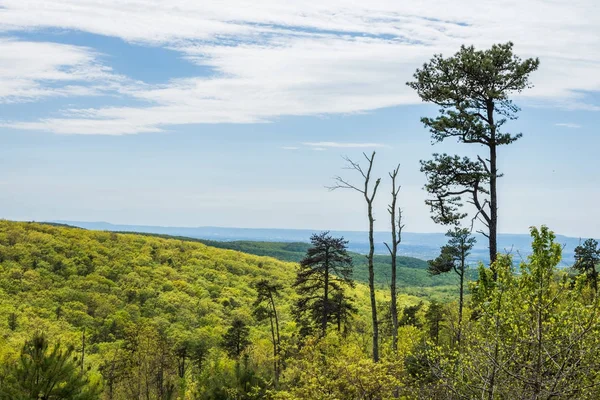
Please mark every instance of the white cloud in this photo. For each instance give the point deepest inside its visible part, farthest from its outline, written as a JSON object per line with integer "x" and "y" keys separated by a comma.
{"x": 272, "y": 59}
{"x": 344, "y": 145}
{"x": 289, "y": 148}
{"x": 30, "y": 71}
{"x": 319, "y": 148}
{"x": 569, "y": 125}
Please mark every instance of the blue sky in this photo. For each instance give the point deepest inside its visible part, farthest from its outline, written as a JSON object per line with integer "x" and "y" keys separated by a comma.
{"x": 237, "y": 114}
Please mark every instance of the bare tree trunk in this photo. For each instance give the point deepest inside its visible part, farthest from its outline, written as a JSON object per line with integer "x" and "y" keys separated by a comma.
{"x": 369, "y": 196}
{"x": 396, "y": 239}
{"x": 372, "y": 284}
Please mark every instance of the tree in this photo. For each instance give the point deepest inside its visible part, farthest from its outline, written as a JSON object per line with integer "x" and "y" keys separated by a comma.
{"x": 587, "y": 256}
{"x": 434, "y": 316}
{"x": 336, "y": 367}
{"x": 536, "y": 336}
{"x": 396, "y": 239}
{"x": 369, "y": 195}
{"x": 343, "y": 309}
{"x": 325, "y": 269}
{"x": 46, "y": 373}
{"x": 409, "y": 315}
{"x": 12, "y": 321}
{"x": 264, "y": 308}
{"x": 199, "y": 351}
{"x": 236, "y": 339}
{"x": 453, "y": 257}
{"x": 472, "y": 89}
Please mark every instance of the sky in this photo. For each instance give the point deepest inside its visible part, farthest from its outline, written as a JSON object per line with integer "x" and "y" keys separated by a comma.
{"x": 238, "y": 113}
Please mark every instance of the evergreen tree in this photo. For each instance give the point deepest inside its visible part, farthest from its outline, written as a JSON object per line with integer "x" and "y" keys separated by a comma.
{"x": 409, "y": 315}
{"x": 236, "y": 339}
{"x": 434, "y": 316}
{"x": 587, "y": 257}
{"x": 396, "y": 222}
{"x": 12, "y": 321}
{"x": 46, "y": 373}
{"x": 472, "y": 89}
{"x": 327, "y": 268}
{"x": 343, "y": 309}
{"x": 264, "y": 308}
{"x": 453, "y": 257}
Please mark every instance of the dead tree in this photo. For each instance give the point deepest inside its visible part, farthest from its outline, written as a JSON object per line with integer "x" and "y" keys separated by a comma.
{"x": 393, "y": 249}
{"x": 369, "y": 195}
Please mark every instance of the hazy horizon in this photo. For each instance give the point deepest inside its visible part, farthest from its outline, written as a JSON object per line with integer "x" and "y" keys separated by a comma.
{"x": 441, "y": 232}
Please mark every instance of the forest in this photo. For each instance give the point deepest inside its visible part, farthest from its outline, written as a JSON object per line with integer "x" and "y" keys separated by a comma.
{"x": 105, "y": 315}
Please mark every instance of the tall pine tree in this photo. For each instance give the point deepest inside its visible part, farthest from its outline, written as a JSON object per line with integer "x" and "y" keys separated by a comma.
{"x": 324, "y": 272}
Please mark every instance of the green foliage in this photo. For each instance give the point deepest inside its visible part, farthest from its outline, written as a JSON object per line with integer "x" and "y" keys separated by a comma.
{"x": 322, "y": 278}
{"x": 434, "y": 317}
{"x": 46, "y": 372}
{"x": 336, "y": 367}
{"x": 587, "y": 257}
{"x": 153, "y": 309}
{"x": 534, "y": 335}
{"x": 463, "y": 85}
{"x": 12, "y": 321}
{"x": 169, "y": 319}
{"x": 472, "y": 89}
{"x": 411, "y": 271}
{"x": 453, "y": 255}
{"x": 236, "y": 339}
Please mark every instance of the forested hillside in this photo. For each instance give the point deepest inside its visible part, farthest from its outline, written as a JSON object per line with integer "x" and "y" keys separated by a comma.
{"x": 139, "y": 317}
{"x": 146, "y": 306}
{"x": 412, "y": 272}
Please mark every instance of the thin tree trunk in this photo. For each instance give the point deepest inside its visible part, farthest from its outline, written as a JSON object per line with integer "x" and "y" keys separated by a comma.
{"x": 394, "y": 306}
{"x": 461, "y": 302}
{"x": 495, "y": 361}
{"x": 493, "y": 209}
{"x": 325, "y": 296}
{"x": 277, "y": 337}
{"x": 82, "y": 350}
{"x": 369, "y": 197}
{"x": 275, "y": 366}
{"x": 396, "y": 239}
{"x": 372, "y": 284}
{"x": 493, "y": 224}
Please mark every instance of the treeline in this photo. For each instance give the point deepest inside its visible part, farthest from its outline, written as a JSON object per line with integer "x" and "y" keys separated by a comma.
{"x": 146, "y": 317}
{"x": 412, "y": 276}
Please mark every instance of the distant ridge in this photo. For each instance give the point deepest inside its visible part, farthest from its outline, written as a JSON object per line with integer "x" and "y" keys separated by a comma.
{"x": 420, "y": 245}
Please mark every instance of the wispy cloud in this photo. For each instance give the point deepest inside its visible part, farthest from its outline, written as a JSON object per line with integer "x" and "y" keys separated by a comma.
{"x": 344, "y": 145}
{"x": 30, "y": 71}
{"x": 290, "y": 148}
{"x": 568, "y": 125}
{"x": 270, "y": 60}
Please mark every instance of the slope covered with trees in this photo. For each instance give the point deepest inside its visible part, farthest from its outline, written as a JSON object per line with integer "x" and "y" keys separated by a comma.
{"x": 412, "y": 272}
{"x": 151, "y": 312}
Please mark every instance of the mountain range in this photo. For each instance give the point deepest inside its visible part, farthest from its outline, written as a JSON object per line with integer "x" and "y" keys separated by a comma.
{"x": 420, "y": 245}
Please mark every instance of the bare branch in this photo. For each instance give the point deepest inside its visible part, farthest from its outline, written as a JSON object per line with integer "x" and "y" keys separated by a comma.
{"x": 342, "y": 184}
